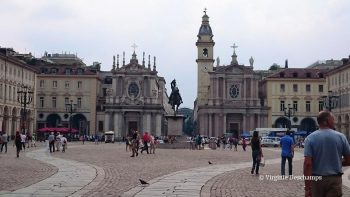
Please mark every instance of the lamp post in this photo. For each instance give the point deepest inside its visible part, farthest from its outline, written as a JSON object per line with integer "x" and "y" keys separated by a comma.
{"x": 24, "y": 97}
{"x": 70, "y": 108}
{"x": 331, "y": 101}
{"x": 289, "y": 111}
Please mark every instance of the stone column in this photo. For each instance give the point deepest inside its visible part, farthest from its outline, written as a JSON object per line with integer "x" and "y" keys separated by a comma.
{"x": 210, "y": 125}
{"x": 224, "y": 124}
{"x": 158, "y": 125}
{"x": 244, "y": 123}
{"x": 259, "y": 121}
{"x": 116, "y": 125}
{"x": 107, "y": 117}
{"x": 1, "y": 120}
{"x": 146, "y": 120}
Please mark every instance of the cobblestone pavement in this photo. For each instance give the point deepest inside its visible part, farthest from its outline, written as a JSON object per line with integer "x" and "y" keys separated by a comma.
{"x": 122, "y": 171}
{"x": 240, "y": 183}
{"x": 16, "y": 173}
{"x": 229, "y": 175}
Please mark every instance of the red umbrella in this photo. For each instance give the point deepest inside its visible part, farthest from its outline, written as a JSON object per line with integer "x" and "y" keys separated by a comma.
{"x": 57, "y": 129}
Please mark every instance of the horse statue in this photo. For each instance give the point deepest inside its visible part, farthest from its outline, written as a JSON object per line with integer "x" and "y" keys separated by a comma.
{"x": 175, "y": 97}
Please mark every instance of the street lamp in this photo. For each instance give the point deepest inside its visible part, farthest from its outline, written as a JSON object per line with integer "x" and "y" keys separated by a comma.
{"x": 24, "y": 97}
{"x": 331, "y": 101}
{"x": 289, "y": 111}
{"x": 70, "y": 108}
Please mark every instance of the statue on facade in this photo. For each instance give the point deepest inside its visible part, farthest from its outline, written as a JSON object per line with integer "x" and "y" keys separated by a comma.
{"x": 175, "y": 97}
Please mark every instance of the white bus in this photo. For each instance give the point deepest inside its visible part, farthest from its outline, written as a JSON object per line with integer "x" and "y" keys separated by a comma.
{"x": 263, "y": 132}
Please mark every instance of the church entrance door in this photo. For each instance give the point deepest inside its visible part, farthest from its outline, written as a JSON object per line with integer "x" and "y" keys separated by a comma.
{"x": 132, "y": 127}
{"x": 234, "y": 129}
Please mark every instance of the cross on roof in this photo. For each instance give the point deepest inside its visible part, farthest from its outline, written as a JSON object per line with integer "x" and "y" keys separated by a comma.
{"x": 134, "y": 46}
{"x": 234, "y": 46}
{"x": 205, "y": 11}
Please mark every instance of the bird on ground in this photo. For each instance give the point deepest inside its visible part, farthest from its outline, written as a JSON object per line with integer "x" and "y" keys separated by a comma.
{"x": 143, "y": 182}
{"x": 209, "y": 163}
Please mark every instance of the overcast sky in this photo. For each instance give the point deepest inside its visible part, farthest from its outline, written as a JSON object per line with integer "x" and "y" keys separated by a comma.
{"x": 302, "y": 31}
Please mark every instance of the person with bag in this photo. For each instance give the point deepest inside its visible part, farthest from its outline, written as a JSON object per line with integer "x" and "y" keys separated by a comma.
{"x": 256, "y": 152}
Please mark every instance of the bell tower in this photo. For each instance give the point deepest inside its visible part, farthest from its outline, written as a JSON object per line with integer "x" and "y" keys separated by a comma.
{"x": 205, "y": 61}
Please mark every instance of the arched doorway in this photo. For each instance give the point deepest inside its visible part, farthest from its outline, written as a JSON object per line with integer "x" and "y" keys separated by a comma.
{"x": 308, "y": 125}
{"x": 4, "y": 126}
{"x": 53, "y": 120}
{"x": 282, "y": 122}
{"x": 79, "y": 122}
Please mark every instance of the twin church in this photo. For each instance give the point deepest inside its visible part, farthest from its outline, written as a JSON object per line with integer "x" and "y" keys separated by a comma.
{"x": 227, "y": 95}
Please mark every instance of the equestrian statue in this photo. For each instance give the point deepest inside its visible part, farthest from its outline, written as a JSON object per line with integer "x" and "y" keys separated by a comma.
{"x": 175, "y": 97}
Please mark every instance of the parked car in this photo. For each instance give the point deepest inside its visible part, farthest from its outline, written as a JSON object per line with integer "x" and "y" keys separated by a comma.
{"x": 269, "y": 143}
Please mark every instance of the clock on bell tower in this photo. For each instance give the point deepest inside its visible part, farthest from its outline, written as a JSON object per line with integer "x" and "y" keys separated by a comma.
{"x": 205, "y": 61}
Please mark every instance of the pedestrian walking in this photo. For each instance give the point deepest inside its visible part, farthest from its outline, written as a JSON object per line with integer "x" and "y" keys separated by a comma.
{"x": 287, "y": 147}
{"x": 244, "y": 144}
{"x": 145, "y": 140}
{"x": 135, "y": 144}
{"x": 4, "y": 141}
{"x": 257, "y": 153}
{"x": 152, "y": 143}
{"x": 51, "y": 140}
{"x": 23, "y": 140}
{"x": 63, "y": 143}
{"x": 326, "y": 151}
{"x": 18, "y": 143}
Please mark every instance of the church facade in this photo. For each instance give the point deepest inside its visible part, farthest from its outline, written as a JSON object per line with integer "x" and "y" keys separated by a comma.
{"x": 228, "y": 99}
{"x": 135, "y": 99}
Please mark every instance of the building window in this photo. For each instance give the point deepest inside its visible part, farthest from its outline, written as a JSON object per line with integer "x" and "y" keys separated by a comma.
{"x": 1, "y": 91}
{"x": 282, "y": 105}
{"x": 66, "y": 100}
{"x": 67, "y": 71}
{"x": 295, "y": 87}
{"x": 80, "y": 71}
{"x": 308, "y": 88}
{"x": 79, "y": 103}
{"x": 320, "y": 88}
{"x": 295, "y": 106}
{"x": 41, "y": 102}
{"x": 295, "y": 75}
{"x": 308, "y": 106}
{"x": 10, "y": 93}
{"x": 282, "y": 75}
{"x": 320, "y": 106}
{"x": 41, "y": 83}
{"x": 80, "y": 84}
{"x": 100, "y": 126}
{"x": 308, "y": 75}
{"x": 54, "y": 84}
{"x": 66, "y": 84}
{"x": 282, "y": 88}
{"x": 54, "y": 102}
{"x": 14, "y": 93}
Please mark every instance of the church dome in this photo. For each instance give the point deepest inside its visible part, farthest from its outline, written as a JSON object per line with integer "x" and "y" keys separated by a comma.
{"x": 205, "y": 28}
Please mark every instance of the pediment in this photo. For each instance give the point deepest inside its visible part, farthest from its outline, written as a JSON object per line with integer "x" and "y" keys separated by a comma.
{"x": 133, "y": 67}
{"x": 237, "y": 69}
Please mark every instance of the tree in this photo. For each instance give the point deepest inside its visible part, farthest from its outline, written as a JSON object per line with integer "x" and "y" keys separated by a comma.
{"x": 274, "y": 66}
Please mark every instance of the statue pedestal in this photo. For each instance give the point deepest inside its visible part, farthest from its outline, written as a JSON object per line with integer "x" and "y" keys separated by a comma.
{"x": 175, "y": 124}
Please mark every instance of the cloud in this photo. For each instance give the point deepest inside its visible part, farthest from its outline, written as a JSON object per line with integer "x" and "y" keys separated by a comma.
{"x": 270, "y": 31}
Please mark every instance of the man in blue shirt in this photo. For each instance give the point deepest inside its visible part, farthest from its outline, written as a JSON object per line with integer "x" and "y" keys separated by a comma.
{"x": 323, "y": 153}
{"x": 287, "y": 144}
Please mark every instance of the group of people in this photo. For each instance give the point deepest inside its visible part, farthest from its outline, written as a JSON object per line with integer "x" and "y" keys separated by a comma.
{"x": 325, "y": 152}
{"x": 57, "y": 141}
{"x": 147, "y": 142}
{"x": 21, "y": 141}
